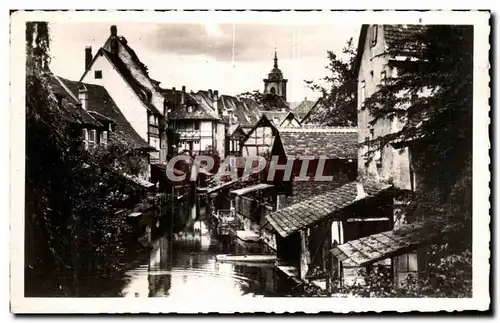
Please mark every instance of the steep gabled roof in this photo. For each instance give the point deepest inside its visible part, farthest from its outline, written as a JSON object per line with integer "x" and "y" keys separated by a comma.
{"x": 236, "y": 131}
{"x": 70, "y": 106}
{"x": 263, "y": 122}
{"x": 102, "y": 106}
{"x": 303, "y": 108}
{"x": 312, "y": 112}
{"x": 246, "y": 111}
{"x": 124, "y": 71}
{"x": 333, "y": 143}
{"x": 276, "y": 117}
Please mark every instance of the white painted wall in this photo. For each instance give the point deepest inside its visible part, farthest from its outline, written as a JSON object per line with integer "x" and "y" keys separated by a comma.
{"x": 220, "y": 139}
{"x": 395, "y": 162}
{"x": 125, "y": 98}
{"x": 157, "y": 98}
{"x": 290, "y": 123}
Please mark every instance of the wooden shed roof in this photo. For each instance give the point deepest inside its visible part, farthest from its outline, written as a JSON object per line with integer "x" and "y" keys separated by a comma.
{"x": 308, "y": 212}
{"x": 376, "y": 247}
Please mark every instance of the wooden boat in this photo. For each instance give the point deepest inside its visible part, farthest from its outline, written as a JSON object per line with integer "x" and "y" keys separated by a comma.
{"x": 246, "y": 258}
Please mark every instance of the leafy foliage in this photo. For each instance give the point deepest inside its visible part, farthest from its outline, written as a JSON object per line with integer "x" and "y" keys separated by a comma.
{"x": 268, "y": 102}
{"x": 431, "y": 98}
{"x": 338, "y": 98}
{"x": 71, "y": 193}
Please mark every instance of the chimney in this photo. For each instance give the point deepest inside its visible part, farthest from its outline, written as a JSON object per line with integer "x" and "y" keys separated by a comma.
{"x": 183, "y": 95}
{"x": 114, "y": 31}
{"x": 88, "y": 56}
{"x": 210, "y": 94}
{"x": 216, "y": 102}
{"x": 83, "y": 96}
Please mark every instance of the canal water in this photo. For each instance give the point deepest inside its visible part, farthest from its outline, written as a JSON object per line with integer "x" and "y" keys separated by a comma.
{"x": 182, "y": 263}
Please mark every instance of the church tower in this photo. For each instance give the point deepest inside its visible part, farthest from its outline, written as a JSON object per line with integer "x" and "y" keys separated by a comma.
{"x": 275, "y": 83}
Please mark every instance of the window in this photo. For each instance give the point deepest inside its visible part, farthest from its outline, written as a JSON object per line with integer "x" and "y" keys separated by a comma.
{"x": 153, "y": 120}
{"x": 92, "y": 138}
{"x": 98, "y": 74}
{"x": 383, "y": 78}
{"x": 408, "y": 262}
{"x": 374, "y": 35}
{"x": 362, "y": 94}
{"x": 85, "y": 135}
{"x": 104, "y": 137}
{"x": 155, "y": 142}
{"x": 196, "y": 125}
{"x": 273, "y": 90}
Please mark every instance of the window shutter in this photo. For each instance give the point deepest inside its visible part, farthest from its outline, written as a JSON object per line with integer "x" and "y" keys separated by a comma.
{"x": 85, "y": 134}
{"x": 104, "y": 137}
{"x": 92, "y": 137}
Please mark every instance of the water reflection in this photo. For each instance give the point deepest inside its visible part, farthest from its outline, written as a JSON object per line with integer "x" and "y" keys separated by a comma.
{"x": 183, "y": 264}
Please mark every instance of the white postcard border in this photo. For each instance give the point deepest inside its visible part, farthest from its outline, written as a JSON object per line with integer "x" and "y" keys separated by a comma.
{"x": 481, "y": 176}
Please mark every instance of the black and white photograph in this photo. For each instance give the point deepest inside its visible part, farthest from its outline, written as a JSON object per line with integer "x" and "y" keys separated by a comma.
{"x": 249, "y": 161}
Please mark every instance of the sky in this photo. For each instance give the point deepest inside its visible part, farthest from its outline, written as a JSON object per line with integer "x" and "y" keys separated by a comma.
{"x": 231, "y": 58}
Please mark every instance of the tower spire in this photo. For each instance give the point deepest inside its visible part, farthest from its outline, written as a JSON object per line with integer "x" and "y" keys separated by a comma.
{"x": 275, "y": 58}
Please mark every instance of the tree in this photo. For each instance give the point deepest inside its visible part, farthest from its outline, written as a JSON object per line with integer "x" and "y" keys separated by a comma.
{"x": 268, "y": 102}
{"x": 338, "y": 97}
{"x": 432, "y": 98}
{"x": 71, "y": 193}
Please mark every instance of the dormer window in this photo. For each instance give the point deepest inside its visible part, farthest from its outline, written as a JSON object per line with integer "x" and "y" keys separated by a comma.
{"x": 374, "y": 35}
{"x": 98, "y": 74}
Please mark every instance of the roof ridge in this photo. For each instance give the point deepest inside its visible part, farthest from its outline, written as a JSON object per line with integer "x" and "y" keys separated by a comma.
{"x": 320, "y": 129}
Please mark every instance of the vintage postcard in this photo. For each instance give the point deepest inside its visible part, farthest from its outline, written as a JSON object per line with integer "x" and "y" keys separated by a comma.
{"x": 249, "y": 161}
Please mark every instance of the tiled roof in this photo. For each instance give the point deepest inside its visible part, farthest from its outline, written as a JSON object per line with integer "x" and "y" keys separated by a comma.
{"x": 303, "y": 108}
{"x": 311, "y": 211}
{"x": 70, "y": 108}
{"x": 396, "y": 37}
{"x": 314, "y": 114}
{"x": 333, "y": 143}
{"x": 130, "y": 79}
{"x": 373, "y": 248}
{"x": 401, "y": 37}
{"x": 236, "y": 131}
{"x": 200, "y": 110}
{"x": 246, "y": 111}
{"x": 303, "y": 190}
{"x": 101, "y": 105}
{"x": 178, "y": 111}
{"x": 276, "y": 117}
